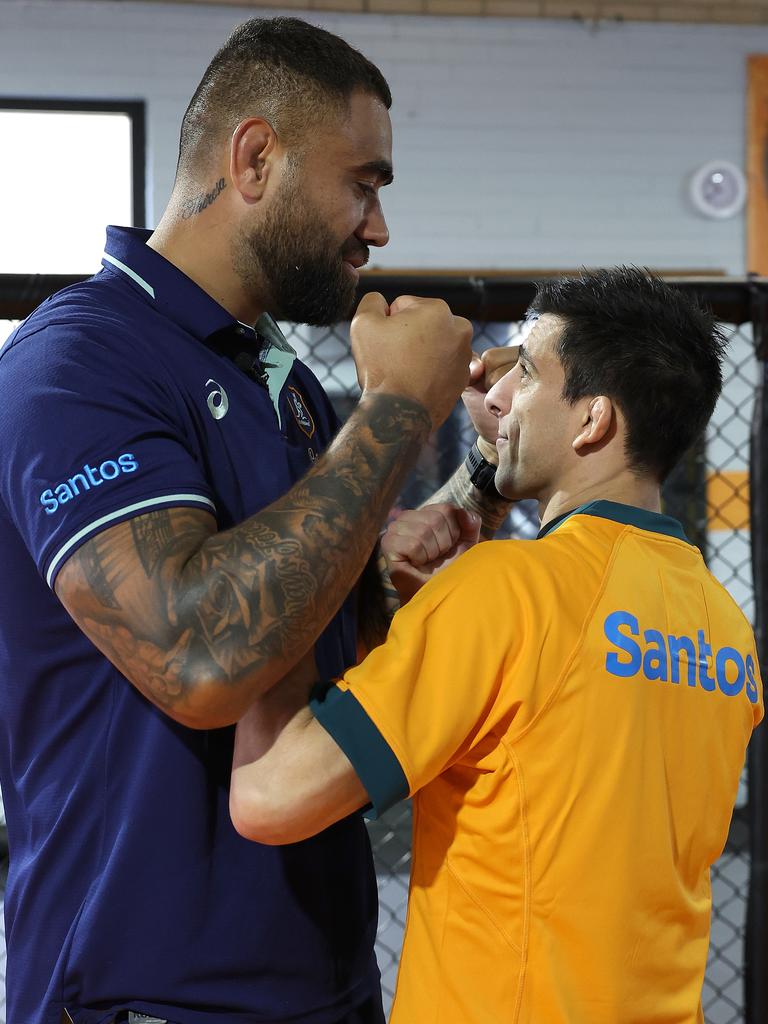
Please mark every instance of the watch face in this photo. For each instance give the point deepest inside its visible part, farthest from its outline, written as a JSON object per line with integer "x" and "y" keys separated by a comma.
{"x": 718, "y": 189}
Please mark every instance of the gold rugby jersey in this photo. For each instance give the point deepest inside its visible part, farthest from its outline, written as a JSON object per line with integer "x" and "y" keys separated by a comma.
{"x": 571, "y": 716}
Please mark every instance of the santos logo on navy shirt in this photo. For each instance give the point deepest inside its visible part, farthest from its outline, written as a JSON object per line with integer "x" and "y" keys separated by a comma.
{"x": 85, "y": 479}
{"x": 659, "y": 657}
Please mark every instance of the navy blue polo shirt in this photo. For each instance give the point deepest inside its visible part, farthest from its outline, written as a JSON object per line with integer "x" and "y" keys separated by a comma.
{"x": 128, "y": 885}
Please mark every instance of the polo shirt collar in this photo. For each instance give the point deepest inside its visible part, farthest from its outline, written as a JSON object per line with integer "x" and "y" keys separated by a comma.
{"x": 654, "y": 522}
{"x": 175, "y": 294}
{"x": 170, "y": 290}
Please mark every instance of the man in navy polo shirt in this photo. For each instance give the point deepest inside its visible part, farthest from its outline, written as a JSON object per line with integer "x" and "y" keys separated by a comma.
{"x": 176, "y": 514}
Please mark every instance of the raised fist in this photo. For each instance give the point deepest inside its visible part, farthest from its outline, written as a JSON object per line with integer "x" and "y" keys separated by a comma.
{"x": 415, "y": 348}
{"x": 422, "y": 541}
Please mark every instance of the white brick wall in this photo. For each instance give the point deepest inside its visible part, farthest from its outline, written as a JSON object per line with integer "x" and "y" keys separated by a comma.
{"x": 518, "y": 143}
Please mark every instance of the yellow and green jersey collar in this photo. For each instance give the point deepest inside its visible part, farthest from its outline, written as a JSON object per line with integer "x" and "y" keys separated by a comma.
{"x": 642, "y": 518}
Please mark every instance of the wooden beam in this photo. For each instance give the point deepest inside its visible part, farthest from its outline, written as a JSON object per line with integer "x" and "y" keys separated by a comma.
{"x": 757, "y": 164}
{"x": 738, "y": 12}
{"x": 532, "y": 274}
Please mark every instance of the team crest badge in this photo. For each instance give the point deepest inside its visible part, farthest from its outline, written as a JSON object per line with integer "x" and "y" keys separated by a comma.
{"x": 300, "y": 411}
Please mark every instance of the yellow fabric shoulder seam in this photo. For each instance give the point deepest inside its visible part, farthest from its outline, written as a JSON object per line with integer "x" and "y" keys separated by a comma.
{"x": 577, "y": 646}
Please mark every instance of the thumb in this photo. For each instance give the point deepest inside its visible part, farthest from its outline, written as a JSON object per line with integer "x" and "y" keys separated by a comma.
{"x": 476, "y": 369}
{"x": 403, "y": 302}
{"x": 373, "y": 302}
{"x": 497, "y": 362}
{"x": 469, "y": 526}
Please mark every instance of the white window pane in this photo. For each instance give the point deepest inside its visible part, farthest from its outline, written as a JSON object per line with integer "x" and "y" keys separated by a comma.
{"x": 6, "y": 326}
{"x": 63, "y": 177}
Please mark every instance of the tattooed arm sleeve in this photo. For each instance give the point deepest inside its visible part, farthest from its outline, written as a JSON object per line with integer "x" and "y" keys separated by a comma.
{"x": 460, "y": 491}
{"x": 377, "y": 602}
{"x": 204, "y": 622}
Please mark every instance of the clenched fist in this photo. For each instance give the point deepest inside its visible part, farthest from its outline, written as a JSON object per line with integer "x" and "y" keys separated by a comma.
{"x": 421, "y": 541}
{"x": 415, "y": 348}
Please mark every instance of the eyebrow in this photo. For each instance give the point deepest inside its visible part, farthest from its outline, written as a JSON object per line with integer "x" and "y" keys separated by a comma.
{"x": 381, "y": 168}
{"x": 522, "y": 353}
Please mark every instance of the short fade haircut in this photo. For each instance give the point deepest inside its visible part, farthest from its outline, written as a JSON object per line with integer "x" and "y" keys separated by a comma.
{"x": 282, "y": 69}
{"x": 647, "y": 346}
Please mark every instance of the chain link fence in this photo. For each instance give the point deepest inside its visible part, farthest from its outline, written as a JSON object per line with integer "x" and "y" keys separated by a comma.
{"x": 709, "y": 493}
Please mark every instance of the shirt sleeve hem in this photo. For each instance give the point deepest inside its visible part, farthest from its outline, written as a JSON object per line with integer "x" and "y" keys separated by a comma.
{"x": 60, "y": 555}
{"x": 377, "y": 767}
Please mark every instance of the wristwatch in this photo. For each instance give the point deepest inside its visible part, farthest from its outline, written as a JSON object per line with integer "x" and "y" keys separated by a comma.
{"x": 481, "y": 472}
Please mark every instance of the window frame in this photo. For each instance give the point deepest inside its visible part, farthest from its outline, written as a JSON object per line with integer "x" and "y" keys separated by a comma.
{"x": 136, "y": 112}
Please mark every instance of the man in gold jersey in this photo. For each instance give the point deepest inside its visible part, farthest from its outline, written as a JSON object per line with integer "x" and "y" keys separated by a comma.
{"x": 570, "y": 714}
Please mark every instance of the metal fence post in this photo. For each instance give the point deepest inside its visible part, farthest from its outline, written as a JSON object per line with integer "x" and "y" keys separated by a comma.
{"x": 756, "y": 946}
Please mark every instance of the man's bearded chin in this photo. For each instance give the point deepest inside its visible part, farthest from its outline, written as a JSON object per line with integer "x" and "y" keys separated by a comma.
{"x": 297, "y": 266}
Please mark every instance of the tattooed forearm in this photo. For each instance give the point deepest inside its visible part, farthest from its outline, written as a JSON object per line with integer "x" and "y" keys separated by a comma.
{"x": 204, "y": 622}
{"x": 377, "y": 602}
{"x": 460, "y": 491}
{"x": 194, "y": 206}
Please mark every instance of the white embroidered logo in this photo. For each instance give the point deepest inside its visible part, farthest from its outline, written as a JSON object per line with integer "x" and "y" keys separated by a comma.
{"x": 218, "y": 403}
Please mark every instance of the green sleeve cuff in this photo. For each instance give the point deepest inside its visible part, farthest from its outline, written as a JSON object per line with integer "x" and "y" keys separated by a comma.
{"x": 344, "y": 718}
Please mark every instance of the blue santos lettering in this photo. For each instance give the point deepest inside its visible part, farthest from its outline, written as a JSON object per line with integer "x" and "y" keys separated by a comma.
{"x": 52, "y": 498}
{"x": 658, "y": 656}
{"x": 751, "y": 683}
{"x": 613, "y": 663}
{"x": 706, "y": 682}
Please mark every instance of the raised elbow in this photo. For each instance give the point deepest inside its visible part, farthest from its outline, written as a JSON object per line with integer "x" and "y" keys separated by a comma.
{"x": 257, "y": 815}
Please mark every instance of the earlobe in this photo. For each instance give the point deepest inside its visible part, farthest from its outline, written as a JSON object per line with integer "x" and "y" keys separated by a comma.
{"x": 252, "y": 153}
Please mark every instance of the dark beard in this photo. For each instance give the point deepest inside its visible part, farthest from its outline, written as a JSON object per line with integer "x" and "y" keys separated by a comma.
{"x": 300, "y": 263}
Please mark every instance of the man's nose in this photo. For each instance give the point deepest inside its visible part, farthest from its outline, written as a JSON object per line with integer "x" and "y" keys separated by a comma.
{"x": 497, "y": 399}
{"x": 374, "y": 230}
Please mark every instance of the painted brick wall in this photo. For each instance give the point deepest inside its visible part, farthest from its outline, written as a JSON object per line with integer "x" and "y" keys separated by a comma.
{"x": 518, "y": 143}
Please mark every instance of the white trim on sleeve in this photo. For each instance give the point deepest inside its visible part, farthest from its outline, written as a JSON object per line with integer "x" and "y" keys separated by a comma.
{"x": 167, "y": 499}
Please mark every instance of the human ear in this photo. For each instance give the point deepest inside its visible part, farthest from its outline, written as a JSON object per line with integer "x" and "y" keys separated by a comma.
{"x": 252, "y": 154}
{"x": 596, "y": 422}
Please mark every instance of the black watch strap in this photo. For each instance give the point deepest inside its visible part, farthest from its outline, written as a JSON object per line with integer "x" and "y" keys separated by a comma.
{"x": 481, "y": 472}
